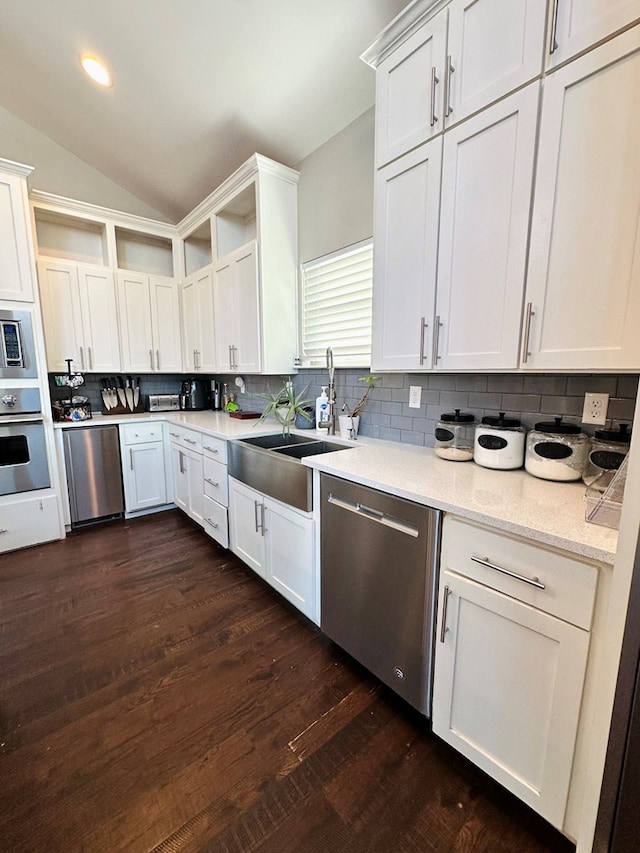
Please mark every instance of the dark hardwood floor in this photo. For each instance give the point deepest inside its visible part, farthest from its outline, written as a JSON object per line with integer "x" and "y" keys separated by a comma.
{"x": 156, "y": 696}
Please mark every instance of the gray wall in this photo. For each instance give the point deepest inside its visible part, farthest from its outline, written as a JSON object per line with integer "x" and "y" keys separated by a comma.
{"x": 60, "y": 172}
{"x": 335, "y": 193}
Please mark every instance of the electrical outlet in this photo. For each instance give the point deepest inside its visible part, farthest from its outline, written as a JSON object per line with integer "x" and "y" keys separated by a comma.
{"x": 595, "y": 409}
{"x": 415, "y": 393}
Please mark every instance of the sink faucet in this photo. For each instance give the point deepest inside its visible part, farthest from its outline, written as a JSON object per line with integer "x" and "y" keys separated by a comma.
{"x": 330, "y": 423}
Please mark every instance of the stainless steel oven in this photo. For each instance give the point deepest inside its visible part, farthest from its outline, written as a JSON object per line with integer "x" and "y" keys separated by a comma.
{"x": 17, "y": 352}
{"x": 23, "y": 449}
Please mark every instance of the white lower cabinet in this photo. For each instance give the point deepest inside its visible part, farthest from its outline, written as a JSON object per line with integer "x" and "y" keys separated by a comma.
{"x": 144, "y": 471}
{"x": 28, "y": 521}
{"x": 509, "y": 663}
{"x": 187, "y": 481}
{"x": 276, "y": 541}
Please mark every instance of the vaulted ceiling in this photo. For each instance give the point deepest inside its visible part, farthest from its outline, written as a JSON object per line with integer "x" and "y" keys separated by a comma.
{"x": 200, "y": 85}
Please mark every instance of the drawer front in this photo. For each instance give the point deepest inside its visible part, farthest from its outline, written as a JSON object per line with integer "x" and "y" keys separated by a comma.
{"x": 216, "y": 448}
{"x": 28, "y": 522}
{"x": 215, "y": 481}
{"x": 552, "y": 581}
{"x": 185, "y": 437}
{"x": 141, "y": 433}
{"x": 216, "y": 522}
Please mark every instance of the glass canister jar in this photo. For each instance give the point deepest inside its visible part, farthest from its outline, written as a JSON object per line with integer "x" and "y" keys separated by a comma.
{"x": 556, "y": 451}
{"x": 499, "y": 443}
{"x": 454, "y": 436}
{"x": 607, "y": 453}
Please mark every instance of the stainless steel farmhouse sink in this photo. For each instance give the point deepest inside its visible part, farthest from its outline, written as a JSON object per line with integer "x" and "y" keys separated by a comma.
{"x": 271, "y": 465}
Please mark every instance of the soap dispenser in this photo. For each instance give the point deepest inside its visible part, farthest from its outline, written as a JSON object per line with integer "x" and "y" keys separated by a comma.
{"x": 322, "y": 407}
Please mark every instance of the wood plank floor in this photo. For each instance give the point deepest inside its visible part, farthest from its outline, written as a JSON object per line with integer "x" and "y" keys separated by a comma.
{"x": 156, "y": 696}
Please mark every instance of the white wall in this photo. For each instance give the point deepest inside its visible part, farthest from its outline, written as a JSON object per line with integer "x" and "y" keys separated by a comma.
{"x": 60, "y": 172}
{"x": 335, "y": 193}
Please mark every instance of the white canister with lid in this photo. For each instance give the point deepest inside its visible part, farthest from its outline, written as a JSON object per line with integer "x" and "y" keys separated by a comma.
{"x": 556, "y": 451}
{"x": 606, "y": 454}
{"x": 499, "y": 443}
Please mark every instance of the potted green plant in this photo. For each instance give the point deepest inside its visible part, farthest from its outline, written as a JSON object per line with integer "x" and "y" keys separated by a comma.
{"x": 350, "y": 422}
{"x": 285, "y": 405}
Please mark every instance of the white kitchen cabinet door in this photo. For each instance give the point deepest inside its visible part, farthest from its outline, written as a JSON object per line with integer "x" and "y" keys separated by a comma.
{"x": 29, "y": 521}
{"x": 61, "y": 314}
{"x": 289, "y": 555}
{"x": 237, "y": 311}
{"x": 180, "y": 481}
{"x": 583, "y": 284}
{"x": 144, "y": 476}
{"x": 246, "y": 519}
{"x": 508, "y": 689}
{"x": 15, "y": 248}
{"x": 135, "y": 322}
{"x": 495, "y": 46}
{"x": 576, "y": 26}
{"x": 199, "y": 350}
{"x": 164, "y": 296}
{"x": 101, "y": 351}
{"x": 487, "y": 176}
{"x": 409, "y": 91}
{"x": 407, "y": 205}
{"x": 187, "y": 481}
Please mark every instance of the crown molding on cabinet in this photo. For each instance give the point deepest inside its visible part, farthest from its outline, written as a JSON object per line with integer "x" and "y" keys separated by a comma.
{"x": 14, "y": 168}
{"x": 401, "y": 28}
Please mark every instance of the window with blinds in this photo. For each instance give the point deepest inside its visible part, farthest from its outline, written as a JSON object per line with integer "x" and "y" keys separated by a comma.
{"x": 336, "y": 307}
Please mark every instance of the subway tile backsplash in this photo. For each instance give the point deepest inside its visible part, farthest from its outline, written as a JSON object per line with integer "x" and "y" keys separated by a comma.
{"x": 530, "y": 398}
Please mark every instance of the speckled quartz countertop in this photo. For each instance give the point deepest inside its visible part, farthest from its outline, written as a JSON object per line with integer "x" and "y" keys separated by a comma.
{"x": 513, "y": 501}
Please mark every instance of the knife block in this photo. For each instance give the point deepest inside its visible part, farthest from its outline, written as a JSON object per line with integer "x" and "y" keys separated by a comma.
{"x": 123, "y": 410}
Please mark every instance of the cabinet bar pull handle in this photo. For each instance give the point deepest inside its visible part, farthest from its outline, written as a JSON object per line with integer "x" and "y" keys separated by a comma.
{"x": 528, "y": 314}
{"x": 423, "y": 326}
{"x": 151, "y": 358}
{"x": 483, "y": 561}
{"x": 255, "y": 516}
{"x": 436, "y": 339}
{"x": 174, "y": 435}
{"x": 157, "y": 359}
{"x": 211, "y": 449}
{"x": 190, "y": 441}
{"x": 264, "y": 529}
{"x": 214, "y": 524}
{"x": 447, "y": 87}
{"x": 131, "y": 458}
{"x": 82, "y": 357}
{"x": 90, "y": 358}
{"x": 180, "y": 455}
{"x": 553, "y": 40}
{"x": 211, "y": 483}
{"x": 445, "y": 607}
{"x": 434, "y": 82}
{"x": 3, "y": 530}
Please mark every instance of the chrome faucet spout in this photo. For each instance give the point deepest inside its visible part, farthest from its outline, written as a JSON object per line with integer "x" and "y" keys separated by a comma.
{"x": 330, "y": 423}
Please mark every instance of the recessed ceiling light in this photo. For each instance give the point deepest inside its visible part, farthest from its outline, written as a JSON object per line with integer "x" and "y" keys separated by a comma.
{"x": 97, "y": 71}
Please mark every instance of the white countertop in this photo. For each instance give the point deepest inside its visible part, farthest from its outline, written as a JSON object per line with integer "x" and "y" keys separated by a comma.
{"x": 513, "y": 501}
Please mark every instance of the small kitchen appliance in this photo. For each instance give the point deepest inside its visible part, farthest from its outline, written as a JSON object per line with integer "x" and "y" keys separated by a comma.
{"x": 499, "y": 443}
{"x": 454, "y": 436}
{"x": 556, "y": 451}
{"x": 216, "y": 395}
{"x": 194, "y": 395}
{"x": 163, "y": 402}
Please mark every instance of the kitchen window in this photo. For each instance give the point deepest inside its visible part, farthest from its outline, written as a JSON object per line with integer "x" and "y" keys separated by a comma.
{"x": 336, "y": 307}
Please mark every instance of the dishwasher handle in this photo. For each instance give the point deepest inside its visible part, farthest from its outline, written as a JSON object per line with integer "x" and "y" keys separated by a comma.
{"x": 374, "y": 515}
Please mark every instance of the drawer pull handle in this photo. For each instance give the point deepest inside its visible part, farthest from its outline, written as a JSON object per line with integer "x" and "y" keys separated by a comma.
{"x": 174, "y": 435}
{"x": 211, "y": 483}
{"x": 531, "y": 581}
{"x": 445, "y": 605}
{"x": 214, "y": 524}
{"x": 211, "y": 449}
{"x": 3, "y": 530}
{"x": 190, "y": 441}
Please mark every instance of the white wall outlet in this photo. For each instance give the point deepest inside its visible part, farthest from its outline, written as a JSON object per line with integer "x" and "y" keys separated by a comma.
{"x": 415, "y": 393}
{"x": 595, "y": 409}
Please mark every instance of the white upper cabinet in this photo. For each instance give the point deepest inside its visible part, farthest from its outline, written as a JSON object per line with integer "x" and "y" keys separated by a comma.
{"x": 15, "y": 248}
{"x": 408, "y": 91}
{"x": 80, "y": 317}
{"x": 442, "y": 73}
{"x": 198, "y": 335}
{"x": 583, "y": 288}
{"x": 407, "y": 202}
{"x": 150, "y": 323}
{"x": 494, "y": 47}
{"x": 576, "y": 26}
{"x": 236, "y": 311}
{"x": 484, "y": 222}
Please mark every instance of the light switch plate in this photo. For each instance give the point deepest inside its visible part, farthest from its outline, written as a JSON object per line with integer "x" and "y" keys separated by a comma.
{"x": 595, "y": 409}
{"x": 415, "y": 393}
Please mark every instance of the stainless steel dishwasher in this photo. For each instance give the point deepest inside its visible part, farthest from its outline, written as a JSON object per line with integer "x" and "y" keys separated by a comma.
{"x": 94, "y": 475}
{"x": 379, "y": 568}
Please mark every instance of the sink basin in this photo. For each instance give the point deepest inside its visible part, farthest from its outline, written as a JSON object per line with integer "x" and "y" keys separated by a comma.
{"x": 271, "y": 465}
